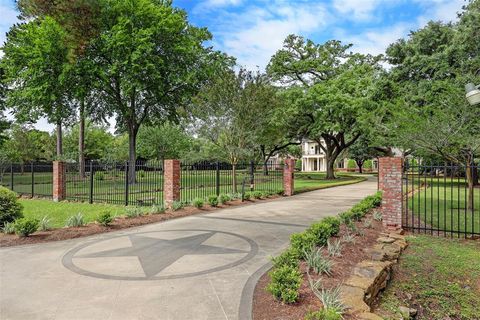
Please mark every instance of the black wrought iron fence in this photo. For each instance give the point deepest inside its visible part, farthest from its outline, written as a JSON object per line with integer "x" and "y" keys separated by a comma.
{"x": 107, "y": 182}
{"x": 29, "y": 179}
{"x": 442, "y": 199}
{"x": 202, "y": 179}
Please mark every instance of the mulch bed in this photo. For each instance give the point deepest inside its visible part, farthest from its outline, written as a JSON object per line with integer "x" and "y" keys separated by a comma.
{"x": 265, "y": 307}
{"x": 7, "y": 240}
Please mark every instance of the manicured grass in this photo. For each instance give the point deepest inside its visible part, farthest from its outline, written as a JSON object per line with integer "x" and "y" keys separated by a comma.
{"x": 59, "y": 212}
{"x": 316, "y": 180}
{"x": 439, "y": 277}
{"x": 443, "y": 204}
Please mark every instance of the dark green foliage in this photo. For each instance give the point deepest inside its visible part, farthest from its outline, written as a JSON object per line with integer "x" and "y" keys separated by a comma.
{"x": 289, "y": 257}
{"x": 302, "y": 242}
{"x": 25, "y": 226}
{"x": 247, "y": 195}
{"x": 257, "y": 194}
{"x": 324, "y": 314}
{"x": 105, "y": 218}
{"x": 358, "y": 211}
{"x": 285, "y": 282}
{"x": 10, "y": 208}
{"x": 213, "y": 200}
{"x": 223, "y": 198}
{"x": 198, "y": 203}
{"x": 324, "y": 229}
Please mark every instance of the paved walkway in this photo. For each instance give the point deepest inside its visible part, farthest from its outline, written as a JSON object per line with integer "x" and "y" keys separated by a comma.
{"x": 198, "y": 267}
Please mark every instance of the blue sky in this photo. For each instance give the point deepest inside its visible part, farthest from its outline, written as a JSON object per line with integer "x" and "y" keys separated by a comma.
{"x": 253, "y": 30}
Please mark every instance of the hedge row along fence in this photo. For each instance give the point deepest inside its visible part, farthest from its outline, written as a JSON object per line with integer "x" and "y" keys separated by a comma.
{"x": 286, "y": 277}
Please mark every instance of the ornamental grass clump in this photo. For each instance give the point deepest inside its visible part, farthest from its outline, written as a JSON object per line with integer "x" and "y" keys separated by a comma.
{"x": 45, "y": 224}
{"x": 285, "y": 283}
{"x": 134, "y": 212}
{"x": 77, "y": 220}
{"x": 177, "y": 205}
{"x": 157, "y": 209}
{"x": 317, "y": 262}
{"x": 334, "y": 248}
{"x": 9, "y": 228}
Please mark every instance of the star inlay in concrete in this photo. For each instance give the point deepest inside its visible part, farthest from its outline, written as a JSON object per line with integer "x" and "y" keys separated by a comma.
{"x": 147, "y": 250}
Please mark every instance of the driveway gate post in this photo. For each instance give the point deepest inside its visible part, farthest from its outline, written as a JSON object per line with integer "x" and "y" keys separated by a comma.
{"x": 288, "y": 177}
{"x": 59, "y": 181}
{"x": 390, "y": 173}
{"x": 171, "y": 182}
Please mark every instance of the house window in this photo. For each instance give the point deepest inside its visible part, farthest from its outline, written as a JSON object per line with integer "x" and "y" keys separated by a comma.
{"x": 340, "y": 164}
{"x": 317, "y": 149}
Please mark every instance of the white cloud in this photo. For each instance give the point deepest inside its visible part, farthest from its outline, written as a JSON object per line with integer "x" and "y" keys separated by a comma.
{"x": 255, "y": 35}
{"x": 355, "y": 9}
{"x": 444, "y": 10}
{"x": 208, "y": 5}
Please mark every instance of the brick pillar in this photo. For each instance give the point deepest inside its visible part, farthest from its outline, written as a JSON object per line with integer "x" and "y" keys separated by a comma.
{"x": 288, "y": 177}
{"x": 59, "y": 181}
{"x": 171, "y": 181}
{"x": 390, "y": 183}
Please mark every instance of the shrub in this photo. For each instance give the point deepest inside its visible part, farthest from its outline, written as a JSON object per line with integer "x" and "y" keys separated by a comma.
{"x": 317, "y": 262}
{"x": 224, "y": 198}
{"x": 105, "y": 218}
{"x": 45, "y": 223}
{"x": 177, "y": 205}
{"x": 285, "y": 283}
{"x": 351, "y": 164}
{"x": 99, "y": 175}
{"x": 9, "y": 228}
{"x": 134, "y": 212}
{"x": 76, "y": 220}
{"x": 197, "y": 203}
{"x": 324, "y": 229}
{"x": 25, "y": 226}
{"x": 213, "y": 200}
{"x": 266, "y": 194}
{"x": 324, "y": 314}
{"x": 279, "y": 192}
{"x": 302, "y": 242}
{"x": 10, "y": 208}
{"x": 368, "y": 164}
{"x": 287, "y": 258}
{"x": 157, "y": 208}
{"x": 257, "y": 194}
{"x": 247, "y": 196}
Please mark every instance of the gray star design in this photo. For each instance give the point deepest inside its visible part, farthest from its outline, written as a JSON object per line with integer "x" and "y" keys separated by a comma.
{"x": 157, "y": 254}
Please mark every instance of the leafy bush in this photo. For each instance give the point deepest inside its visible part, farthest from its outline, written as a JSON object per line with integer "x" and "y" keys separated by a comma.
{"x": 25, "y": 226}
{"x": 10, "y": 208}
{"x": 134, "y": 212}
{"x": 76, "y": 220}
{"x": 157, "y": 208}
{"x": 197, "y": 203}
{"x": 285, "y": 283}
{"x": 279, "y": 192}
{"x": 368, "y": 164}
{"x": 9, "y": 228}
{"x": 105, "y": 218}
{"x": 177, "y": 205}
{"x": 213, "y": 200}
{"x": 99, "y": 175}
{"x": 257, "y": 194}
{"x": 45, "y": 223}
{"x": 324, "y": 314}
{"x": 247, "y": 195}
{"x": 324, "y": 229}
{"x": 288, "y": 258}
{"x": 224, "y": 198}
{"x": 302, "y": 242}
{"x": 317, "y": 262}
{"x": 266, "y": 194}
{"x": 351, "y": 164}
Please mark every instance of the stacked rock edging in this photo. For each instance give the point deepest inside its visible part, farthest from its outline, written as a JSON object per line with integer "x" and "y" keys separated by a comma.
{"x": 370, "y": 277}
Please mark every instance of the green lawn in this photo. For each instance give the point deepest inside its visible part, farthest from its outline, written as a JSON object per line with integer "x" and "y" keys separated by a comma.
{"x": 306, "y": 181}
{"x": 58, "y": 212}
{"x": 439, "y": 277}
{"x": 443, "y": 204}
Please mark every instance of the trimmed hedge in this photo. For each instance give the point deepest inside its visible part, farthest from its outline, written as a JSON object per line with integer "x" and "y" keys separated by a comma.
{"x": 285, "y": 266}
{"x": 10, "y": 208}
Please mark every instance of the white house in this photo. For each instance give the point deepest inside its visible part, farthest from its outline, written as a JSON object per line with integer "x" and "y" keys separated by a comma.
{"x": 313, "y": 159}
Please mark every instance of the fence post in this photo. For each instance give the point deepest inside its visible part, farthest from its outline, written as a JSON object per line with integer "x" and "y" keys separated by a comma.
{"x": 288, "y": 177}
{"x": 217, "y": 179}
{"x": 126, "y": 184}
{"x": 390, "y": 173}
{"x": 252, "y": 175}
{"x": 90, "y": 197}
{"x": 59, "y": 181}
{"x": 171, "y": 182}
{"x": 32, "y": 168}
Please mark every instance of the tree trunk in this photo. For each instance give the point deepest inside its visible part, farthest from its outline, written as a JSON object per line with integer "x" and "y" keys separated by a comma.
{"x": 265, "y": 167}
{"x": 132, "y": 154}
{"x": 469, "y": 173}
{"x": 360, "y": 168}
{"x": 330, "y": 168}
{"x": 81, "y": 141}
{"x": 234, "y": 177}
{"x": 59, "y": 140}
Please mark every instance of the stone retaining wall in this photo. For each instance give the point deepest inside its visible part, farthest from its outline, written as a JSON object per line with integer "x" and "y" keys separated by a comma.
{"x": 370, "y": 277}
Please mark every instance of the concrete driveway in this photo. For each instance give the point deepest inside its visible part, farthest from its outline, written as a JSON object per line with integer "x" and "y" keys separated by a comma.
{"x": 198, "y": 267}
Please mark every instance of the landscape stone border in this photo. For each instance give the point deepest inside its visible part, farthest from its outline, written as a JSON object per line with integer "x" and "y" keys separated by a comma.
{"x": 370, "y": 277}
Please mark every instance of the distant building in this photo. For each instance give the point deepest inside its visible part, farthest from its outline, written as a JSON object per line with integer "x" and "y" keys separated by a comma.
{"x": 314, "y": 160}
